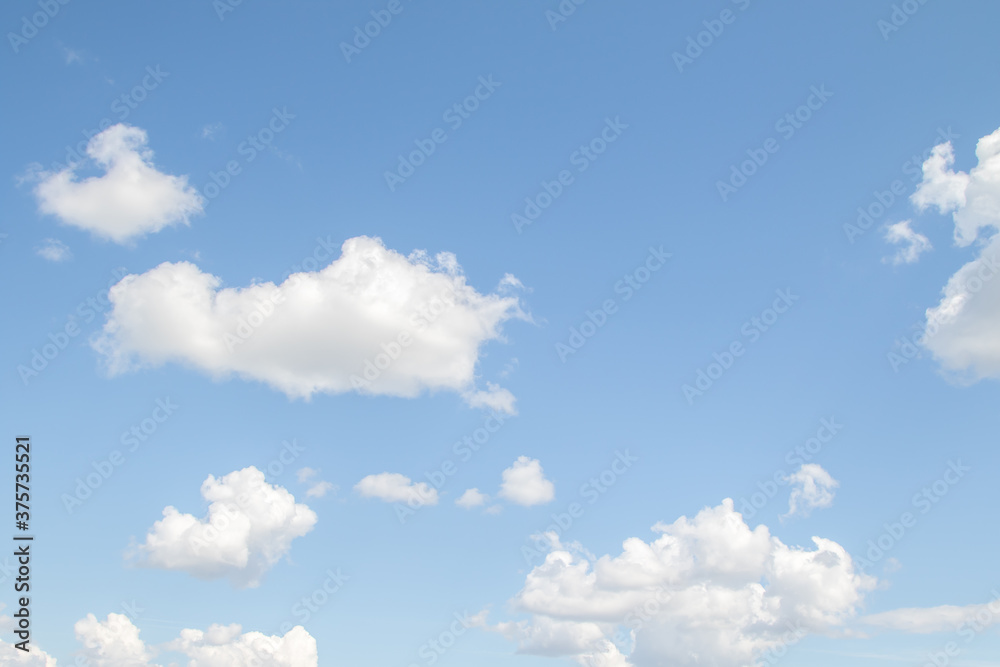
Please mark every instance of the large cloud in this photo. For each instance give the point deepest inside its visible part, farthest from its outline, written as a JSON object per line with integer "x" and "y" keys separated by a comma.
{"x": 709, "y": 591}
{"x": 372, "y": 321}
{"x": 249, "y": 527}
{"x": 130, "y": 199}
{"x": 115, "y": 642}
{"x": 961, "y": 331}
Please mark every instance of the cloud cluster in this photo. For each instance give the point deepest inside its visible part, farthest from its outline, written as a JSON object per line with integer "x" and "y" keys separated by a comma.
{"x": 373, "y": 321}
{"x": 709, "y": 591}
{"x": 961, "y": 330}
{"x": 115, "y": 642}
{"x": 249, "y": 527}
{"x": 130, "y": 199}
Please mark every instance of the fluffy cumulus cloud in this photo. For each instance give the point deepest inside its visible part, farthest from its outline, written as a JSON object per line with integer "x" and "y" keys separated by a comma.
{"x": 129, "y": 199}
{"x": 812, "y": 488}
{"x": 115, "y": 642}
{"x": 228, "y": 646}
{"x": 393, "y": 487}
{"x": 961, "y": 331}
{"x": 249, "y": 527}
{"x": 708, "y": 591}
{"x": 913, "y": 243}
{"x": 524, "y": 483}
{"x": 372, "y": 321}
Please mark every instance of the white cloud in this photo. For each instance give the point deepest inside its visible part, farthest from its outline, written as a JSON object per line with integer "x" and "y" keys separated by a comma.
{"x": 115, "y": 642}
{"x": 11, "y": 655}
{"x": 316, "y": 489}
{"x": 973, "y": 198}
{"x": 946, "y": 618}
{"x": 709, "y": 591}
{"x": 249, "y": 527}
{"x": 524, "y": 483}
{"x": 334, "y": 330}
{"x": 494, "y": 397}
{"x": 305, "y": 474}
{"x": 319, "y": 489}
{"x": 915, "y": 244}
{"x": 472, "y": 498}
{"x": 227, "y": 646}
{"x": 130, "y": 199}
{"x": 54, "y": 250}
{"x": 961, "y": 330}
{"x": 812, "y": 488}
{"x": 392, "y": 487}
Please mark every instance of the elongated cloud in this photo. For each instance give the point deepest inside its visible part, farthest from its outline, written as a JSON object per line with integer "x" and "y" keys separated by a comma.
{"x": 392, "y": 487}
{"x": 373, "y": 322}
{"x": 130, "y": 199}
{"x": 115, "y": 642}
{"x": 249, "y": 527}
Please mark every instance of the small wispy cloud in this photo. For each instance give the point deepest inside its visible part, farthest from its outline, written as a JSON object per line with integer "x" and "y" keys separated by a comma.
{"x": 54, "y": 250}
{"x": 914, "y": 243}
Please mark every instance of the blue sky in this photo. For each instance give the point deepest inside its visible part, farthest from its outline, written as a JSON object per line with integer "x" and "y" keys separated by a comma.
{"x": 610, "y": 250}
